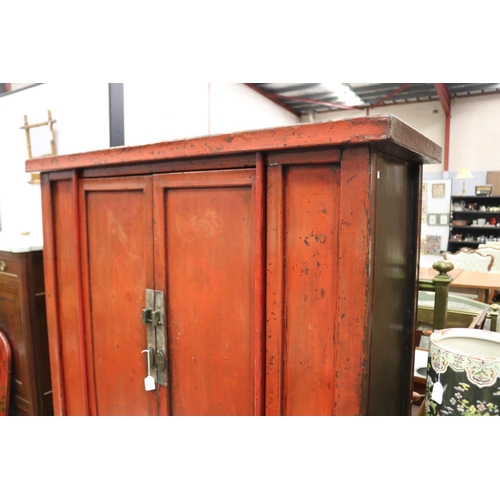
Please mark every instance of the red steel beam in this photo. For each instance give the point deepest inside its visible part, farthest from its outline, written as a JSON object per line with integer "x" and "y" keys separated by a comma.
{"x": 445, "y": 99}
{"x": 277, "y": 99}
{"x": 388, "y": 96}
{"x": 447, "y": 143}
{"x": 314, "y": 101}
{"x": 344, "y": 106}
{"x": 272, "y": 97}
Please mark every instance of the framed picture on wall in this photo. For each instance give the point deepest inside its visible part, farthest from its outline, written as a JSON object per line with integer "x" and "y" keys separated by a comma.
{"x": 424, "y": 187}
{"x": 424, "y": 197}
{"x": 433, "y": 245}
{"x": 438, "y": 190}
{"x": 443, "y": 220}
{"x": 432, "y": 220}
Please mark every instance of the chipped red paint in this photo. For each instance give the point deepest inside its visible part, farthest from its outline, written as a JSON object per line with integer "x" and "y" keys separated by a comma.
{"x": 389, "y": 132}
{"x": 283, "y": 319}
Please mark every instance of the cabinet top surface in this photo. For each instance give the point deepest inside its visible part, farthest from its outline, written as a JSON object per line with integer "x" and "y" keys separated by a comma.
{"x": 386, "y": 132}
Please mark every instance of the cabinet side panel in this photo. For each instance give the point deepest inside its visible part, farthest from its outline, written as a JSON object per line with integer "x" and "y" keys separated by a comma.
{"x": 43, "y": 368}
{"x": 311, "y": 271}
{"x": 43, "y": 379}
{"x": 66, "y": 299}
{"x": 355, "y": 282}
{"x": 396, "y": 257}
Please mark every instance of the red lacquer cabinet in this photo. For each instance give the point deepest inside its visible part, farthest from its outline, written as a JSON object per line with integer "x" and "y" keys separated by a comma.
{"x": 269, "y": 272}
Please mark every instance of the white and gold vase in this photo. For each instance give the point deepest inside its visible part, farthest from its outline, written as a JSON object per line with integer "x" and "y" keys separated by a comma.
{"x": 463, "y": 373}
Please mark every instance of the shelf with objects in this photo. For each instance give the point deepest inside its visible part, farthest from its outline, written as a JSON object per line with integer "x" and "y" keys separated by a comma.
{"x": 473, "y": 220}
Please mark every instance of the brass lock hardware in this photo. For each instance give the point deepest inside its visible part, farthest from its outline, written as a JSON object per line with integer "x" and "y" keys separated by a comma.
{"x": 3, "y": 266}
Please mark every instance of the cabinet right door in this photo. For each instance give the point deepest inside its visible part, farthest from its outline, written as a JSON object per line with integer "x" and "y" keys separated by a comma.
{"x": 205, "y": 236}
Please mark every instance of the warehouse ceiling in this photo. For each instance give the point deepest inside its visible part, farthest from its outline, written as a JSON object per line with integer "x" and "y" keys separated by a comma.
{"x": 304, "y": 98}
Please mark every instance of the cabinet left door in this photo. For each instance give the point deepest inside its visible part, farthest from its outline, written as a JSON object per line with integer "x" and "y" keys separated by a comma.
{"x": 117, "y": 268}
{"x": 99, "y": 263}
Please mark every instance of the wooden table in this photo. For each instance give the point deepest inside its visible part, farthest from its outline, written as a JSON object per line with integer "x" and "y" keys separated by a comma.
{"x": 428, "y": 273}
{"x": 482, "y": 282}
{"x": 461, "y": 279}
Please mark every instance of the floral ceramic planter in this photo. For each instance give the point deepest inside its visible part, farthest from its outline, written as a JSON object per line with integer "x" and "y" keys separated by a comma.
{"x": 463, "y": 373}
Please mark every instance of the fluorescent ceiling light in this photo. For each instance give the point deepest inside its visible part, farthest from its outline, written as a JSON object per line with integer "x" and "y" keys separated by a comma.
{"x": 344, "y": 94}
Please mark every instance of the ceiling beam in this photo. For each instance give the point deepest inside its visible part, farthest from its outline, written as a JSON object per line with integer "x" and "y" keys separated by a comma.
{"x": 445, "y": 99}
{"x": 388, "y": 96}
{"x": 272, "y": 97}
{"x": 314, "y": 101}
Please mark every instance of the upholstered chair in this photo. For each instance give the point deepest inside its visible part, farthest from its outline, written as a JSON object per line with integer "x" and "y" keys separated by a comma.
{"x": 471, "y": 260}
{"x": 495, "y": 252}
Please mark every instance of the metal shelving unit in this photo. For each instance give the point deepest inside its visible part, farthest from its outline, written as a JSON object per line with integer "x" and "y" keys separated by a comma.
{"x": 465, "y": 227}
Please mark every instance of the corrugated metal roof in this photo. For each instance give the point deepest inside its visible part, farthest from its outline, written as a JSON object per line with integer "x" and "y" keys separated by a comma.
{"x": 297, "y": 96}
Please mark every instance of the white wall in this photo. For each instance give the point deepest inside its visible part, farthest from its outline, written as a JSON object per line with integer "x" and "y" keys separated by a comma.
{"x": 82, "y": 115}
{"x": 475, "y": 133}
{"x": 474, "y": 130}
{"x": 426, "y": 117}
{"x": 235, "y": 107}
{"x": 435, "y": 206}
{"x": 159, "y": 112}
{"x": 169, "y": 111}
{"x": 152, "y": 113}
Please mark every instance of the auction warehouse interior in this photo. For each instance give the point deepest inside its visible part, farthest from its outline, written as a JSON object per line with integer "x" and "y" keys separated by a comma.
{"x": 240, "y": 249}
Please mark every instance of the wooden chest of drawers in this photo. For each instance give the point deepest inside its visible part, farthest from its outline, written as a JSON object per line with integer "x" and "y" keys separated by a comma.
{"x": 23, "y": 320}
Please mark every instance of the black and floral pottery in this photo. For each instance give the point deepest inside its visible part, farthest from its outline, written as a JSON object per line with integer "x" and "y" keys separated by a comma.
{"x": 463, "y": 373}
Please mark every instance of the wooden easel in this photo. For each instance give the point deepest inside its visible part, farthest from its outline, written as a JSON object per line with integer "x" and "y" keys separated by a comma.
{"x": 35, "y": 177}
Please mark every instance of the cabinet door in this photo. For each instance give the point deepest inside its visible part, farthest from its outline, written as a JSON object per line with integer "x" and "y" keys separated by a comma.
{"x": 206, "y": 237}
{"x": 117, "y": 258}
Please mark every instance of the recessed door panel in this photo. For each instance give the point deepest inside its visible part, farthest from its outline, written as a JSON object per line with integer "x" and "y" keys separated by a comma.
{"x": 208, "y": 240}
{"x": 311, "y": 298}
{"x": 119, "y": 247}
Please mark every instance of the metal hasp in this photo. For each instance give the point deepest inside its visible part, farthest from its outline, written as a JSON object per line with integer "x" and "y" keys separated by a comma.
{"x": 150, "y": 316}
{"x": 153, "y": 316}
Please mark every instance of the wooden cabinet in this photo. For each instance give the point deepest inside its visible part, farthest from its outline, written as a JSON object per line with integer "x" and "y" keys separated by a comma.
{"x": 467, "y": 228}
{"x": 270, "y": 272}
{"x": 23, "y": 320}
